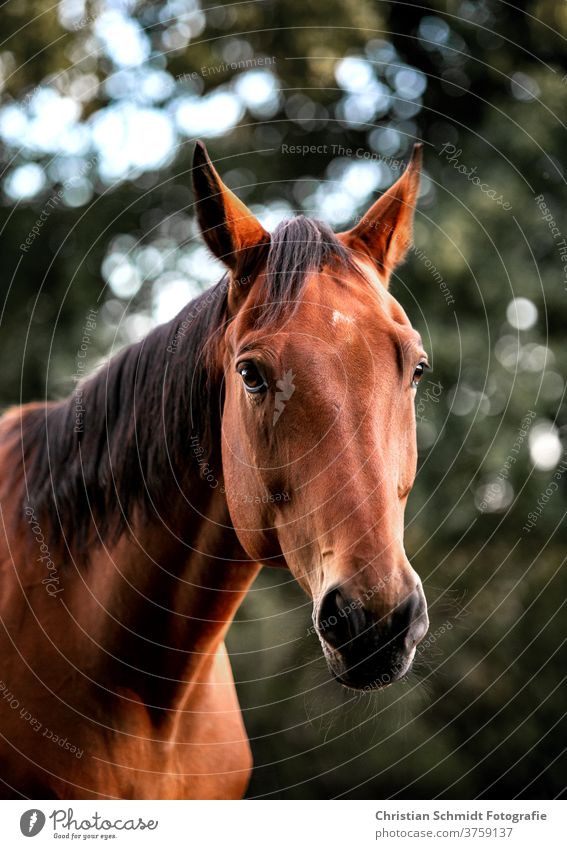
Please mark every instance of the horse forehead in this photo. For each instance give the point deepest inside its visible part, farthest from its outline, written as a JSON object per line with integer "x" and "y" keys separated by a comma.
{"x": 344, "y": 309}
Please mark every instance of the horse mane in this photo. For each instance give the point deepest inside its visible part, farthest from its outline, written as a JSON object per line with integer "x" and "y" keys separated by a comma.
{"x": 150, "y": 405}
{"x": 299, "y": 247}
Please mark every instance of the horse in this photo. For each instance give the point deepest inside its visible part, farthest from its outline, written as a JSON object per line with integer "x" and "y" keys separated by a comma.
{"x": 270, "y": 423}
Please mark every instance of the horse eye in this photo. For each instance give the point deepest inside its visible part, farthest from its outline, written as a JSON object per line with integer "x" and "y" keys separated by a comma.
{"x": 418, "y": 373}
{"x": 251, "y": 377}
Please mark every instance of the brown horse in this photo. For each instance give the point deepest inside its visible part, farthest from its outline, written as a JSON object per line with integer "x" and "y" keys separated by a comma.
{"x": 271, "y": 422}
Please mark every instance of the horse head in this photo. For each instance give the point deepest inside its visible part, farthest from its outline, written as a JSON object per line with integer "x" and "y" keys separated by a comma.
{"x": 320, "y": 365}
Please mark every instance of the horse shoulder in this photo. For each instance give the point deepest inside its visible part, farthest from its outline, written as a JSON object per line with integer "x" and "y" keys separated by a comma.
{"x": 218, "y": 756}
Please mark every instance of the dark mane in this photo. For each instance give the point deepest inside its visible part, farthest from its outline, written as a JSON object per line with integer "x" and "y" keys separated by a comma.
{"x": 299, "y": 246}
{"x": 122, "y": 439}
{"x": 132, "y": 446}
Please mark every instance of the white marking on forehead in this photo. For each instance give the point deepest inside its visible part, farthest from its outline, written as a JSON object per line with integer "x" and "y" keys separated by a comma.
{"x": 340, "y": 316}
{"x": 343, "y": 325}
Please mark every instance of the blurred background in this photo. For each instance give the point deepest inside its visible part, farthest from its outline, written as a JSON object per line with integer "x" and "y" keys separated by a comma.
{"x": 100, "y": 105}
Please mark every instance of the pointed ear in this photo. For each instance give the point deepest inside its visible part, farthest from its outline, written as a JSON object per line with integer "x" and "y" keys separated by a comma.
{"x": 385, "y": 232}
{"x": 230, "y": 230}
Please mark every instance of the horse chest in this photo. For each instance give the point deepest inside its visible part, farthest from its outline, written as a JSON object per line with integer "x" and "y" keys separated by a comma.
{"x": 199, "y": 752}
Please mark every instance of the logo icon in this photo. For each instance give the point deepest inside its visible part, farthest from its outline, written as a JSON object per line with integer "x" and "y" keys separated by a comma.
{"x": 31, "y": 822}
{"x": 286, "y": 389}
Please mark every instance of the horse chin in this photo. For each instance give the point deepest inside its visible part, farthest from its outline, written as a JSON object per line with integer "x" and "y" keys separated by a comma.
{"x": 362, "y": 675}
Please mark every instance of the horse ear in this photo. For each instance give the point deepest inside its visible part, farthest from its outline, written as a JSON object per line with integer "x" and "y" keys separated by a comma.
{"x": 386, "y": 231}
{"x": 230, "y": 230}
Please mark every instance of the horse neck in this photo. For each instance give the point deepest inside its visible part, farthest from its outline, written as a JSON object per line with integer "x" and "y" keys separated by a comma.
{"x": 159, "y": 601}
{"x": 171, "y": 601}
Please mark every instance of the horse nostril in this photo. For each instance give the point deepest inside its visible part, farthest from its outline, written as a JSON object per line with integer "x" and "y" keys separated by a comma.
{"x": 345, "y": 625}
{"x": 339, "y": 619}
{"x": 409, "y": 620}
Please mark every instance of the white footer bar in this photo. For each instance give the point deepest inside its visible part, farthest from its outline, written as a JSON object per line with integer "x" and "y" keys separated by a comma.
{"x": 286, "y": 824}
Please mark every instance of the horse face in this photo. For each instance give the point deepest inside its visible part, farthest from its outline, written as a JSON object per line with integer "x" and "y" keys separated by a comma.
{"x": 318, "y": 443}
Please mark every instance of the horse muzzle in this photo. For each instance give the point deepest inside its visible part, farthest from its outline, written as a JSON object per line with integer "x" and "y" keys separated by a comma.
{"x": 365, "y": 651}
